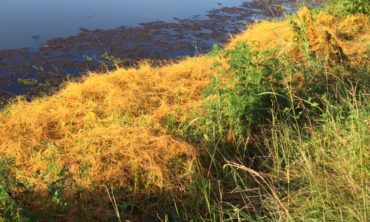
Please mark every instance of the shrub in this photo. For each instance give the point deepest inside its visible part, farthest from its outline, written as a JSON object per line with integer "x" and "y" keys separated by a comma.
{"x": 10, "y": 208}
{"x": 345, "y": 7}
{"x": 357, "y": 6}
{"x": 244, "y": 99}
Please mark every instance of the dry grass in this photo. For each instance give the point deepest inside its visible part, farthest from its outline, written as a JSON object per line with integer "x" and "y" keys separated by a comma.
{"x": 108, "y": 130}
{"x": 326, "y": 36}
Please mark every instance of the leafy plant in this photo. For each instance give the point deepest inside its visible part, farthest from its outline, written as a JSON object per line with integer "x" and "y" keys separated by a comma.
{"x": 344, "y": 7}
{"x": 56, "y": 190}
{"x": 246, "y": 98}
{"x": 10, "y": 208}
{"x": 357, "y": 6}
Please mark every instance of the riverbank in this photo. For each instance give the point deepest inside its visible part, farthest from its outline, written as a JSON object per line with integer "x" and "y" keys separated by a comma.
{"x": 275, "y": 127}
{"x": 38, "y": 72}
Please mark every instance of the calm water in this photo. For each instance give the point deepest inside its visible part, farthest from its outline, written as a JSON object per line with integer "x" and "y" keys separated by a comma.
{"x": 48, "y": 41}
{"x": 30, "y": 23}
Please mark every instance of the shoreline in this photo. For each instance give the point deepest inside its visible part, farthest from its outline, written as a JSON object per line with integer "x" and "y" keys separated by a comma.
{"x": 32, "y": 73}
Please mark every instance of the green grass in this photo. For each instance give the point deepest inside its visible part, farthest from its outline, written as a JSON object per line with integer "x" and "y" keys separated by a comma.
{"x": 345, "y": 7}
{"x": 289, "y": 158}
{"x": 316, "y": 171}
{"x": 278, "y": 152}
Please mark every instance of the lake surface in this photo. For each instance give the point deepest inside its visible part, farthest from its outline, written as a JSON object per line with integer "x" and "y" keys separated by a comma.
{"x": 30, "y": 23}
{"x": 45, "y": 42}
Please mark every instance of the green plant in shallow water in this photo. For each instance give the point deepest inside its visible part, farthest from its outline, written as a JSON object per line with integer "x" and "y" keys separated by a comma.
{"x": 110, "y": 61}
{"x": 27, "y": 81}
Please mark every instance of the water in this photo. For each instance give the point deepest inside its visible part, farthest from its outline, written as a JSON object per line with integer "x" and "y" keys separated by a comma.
{"x": 45, "y": 42}
{"x": 30, "y": 23}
